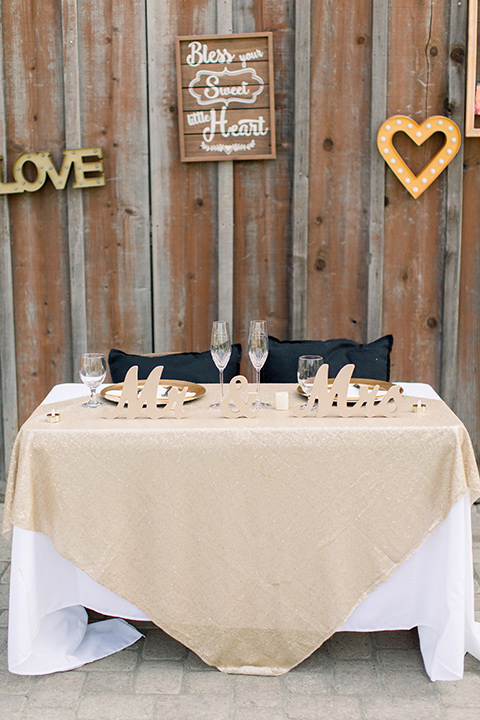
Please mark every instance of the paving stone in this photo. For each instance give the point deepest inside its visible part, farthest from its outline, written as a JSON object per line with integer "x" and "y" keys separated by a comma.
{"x": 401, "y": 659}
{"x": 462, "y": 693}
{"x": 3, "y": 659}
{"x": 258, "y": 714}
{"x": 123, "y": 661}
{"x": 11, "y": 684}
{"x": 460, "y": 713}
{"x": 319, "y": 659}
{"x": 116, "y": 707}
{"x": 57, "y": 690}
{"x": 4, "y": 571}
{"x": 160, "y": 646}
{"x": 355, "y": 677}
{"x": 48, "y": 714}
{"x": 405, "y": 639}
{"x": 159, "y": 678}
{"x": 402, "y": 708}
{"x": 194, "y": 662}
{"x": 4, "y": 589}
{"x": 350, "y": 645}
{"x": 322, "y": 708}
{"x": 108, "y": 682}
{"x": 12, "y": 706}
{"x": 213, "y": 683}
{"x": 406, "y": 682}
{"x": 257, "y": 691}
{"x": 190, "y": 707}
{"x": 309, "y": 683}
{"x": 476, "y": 522}
{"x": 5, "y": 549}
{"x": 471, "y": 664}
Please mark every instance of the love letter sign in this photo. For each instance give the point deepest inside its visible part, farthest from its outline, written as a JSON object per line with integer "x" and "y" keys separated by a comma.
{"x": 417, "y": 184}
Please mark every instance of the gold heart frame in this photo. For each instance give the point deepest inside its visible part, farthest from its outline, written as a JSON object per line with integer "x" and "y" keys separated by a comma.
{"x": 417, "y": 184}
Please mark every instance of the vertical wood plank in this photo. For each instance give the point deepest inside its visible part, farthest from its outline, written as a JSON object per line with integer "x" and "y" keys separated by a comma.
{"x": 453, "y": 227}
{"x": 378, "y": 109}
{"x": 76, "y": 220}
{"x": 415, "y": 229}
{"x": 465, "y": 379}
{"x": 33, "y": 92}
{"x": 471, "y": 82}
{"x": 184, "y": 195}
{"x": 301, "y": 170}
{"x": 467, "y": 371}
{"x": 225, "y": 202}
{"x": 160, "y": 73}
{"x": 114, "y": 116}
{"x": 263, "y": 189}
{"x": 8, "y": 376}
{"x": 339, "y": 170}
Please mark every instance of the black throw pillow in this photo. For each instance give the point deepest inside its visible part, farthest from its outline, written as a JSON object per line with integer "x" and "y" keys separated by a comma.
{"x": 371, "y": 360}
{"x": 195, "y": 367}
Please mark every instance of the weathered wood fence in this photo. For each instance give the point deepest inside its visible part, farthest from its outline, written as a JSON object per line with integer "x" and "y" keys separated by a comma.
{"x": 323, "y": 241}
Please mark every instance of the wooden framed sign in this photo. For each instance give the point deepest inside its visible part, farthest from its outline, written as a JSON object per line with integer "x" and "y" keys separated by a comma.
{"x": 226, "y": 108}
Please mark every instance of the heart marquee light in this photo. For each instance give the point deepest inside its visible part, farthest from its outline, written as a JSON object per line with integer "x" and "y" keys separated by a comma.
{"x": 417, "y": 184}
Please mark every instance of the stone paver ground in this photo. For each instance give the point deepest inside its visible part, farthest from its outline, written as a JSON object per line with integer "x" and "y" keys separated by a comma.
{"x": 353, "y": 676}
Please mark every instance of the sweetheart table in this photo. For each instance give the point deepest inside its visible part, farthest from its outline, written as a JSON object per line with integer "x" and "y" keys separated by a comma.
{"x": 250, "y": 541}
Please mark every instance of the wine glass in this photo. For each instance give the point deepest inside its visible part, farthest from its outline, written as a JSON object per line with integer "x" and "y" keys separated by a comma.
{"x": 220, "y": 350}
{"x": 93, "y": 370}
{"x": 308, "y": 366}
{"x": 258, "y": 352}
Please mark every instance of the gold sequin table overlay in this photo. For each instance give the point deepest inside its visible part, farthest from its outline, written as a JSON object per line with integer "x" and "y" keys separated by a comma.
{"x": 249, "y": 540}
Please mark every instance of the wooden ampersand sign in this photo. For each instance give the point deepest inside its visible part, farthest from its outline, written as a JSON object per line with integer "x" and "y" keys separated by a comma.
{"x": 239, "y": 396}
{"x": 365, "y": 406}
{"x": 417, "y": 184}
{"x": 135, "y": 404}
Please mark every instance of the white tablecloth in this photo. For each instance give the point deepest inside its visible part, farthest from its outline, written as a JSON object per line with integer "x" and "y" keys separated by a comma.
{"x": 433, "y": 590}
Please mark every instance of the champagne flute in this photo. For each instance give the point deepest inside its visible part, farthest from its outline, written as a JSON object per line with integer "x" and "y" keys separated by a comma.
{"x": 258, "y": 352}
{"x": 308, "y": 366}
{"x": 93, "y": 370}
{"x": 220, "y": 350}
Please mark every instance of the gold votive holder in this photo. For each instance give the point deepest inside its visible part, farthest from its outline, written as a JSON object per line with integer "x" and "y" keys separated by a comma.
{"x": 53, "y": 417}
{"x": 419, "y": 407}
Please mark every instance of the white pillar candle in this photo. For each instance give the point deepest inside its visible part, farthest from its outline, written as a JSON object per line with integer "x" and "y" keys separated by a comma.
{"x": 281, "y": 400}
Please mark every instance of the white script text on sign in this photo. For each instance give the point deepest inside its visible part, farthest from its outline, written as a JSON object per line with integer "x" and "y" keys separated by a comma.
{"x": 87, "y": 173}
{"x": 225, "y": 97}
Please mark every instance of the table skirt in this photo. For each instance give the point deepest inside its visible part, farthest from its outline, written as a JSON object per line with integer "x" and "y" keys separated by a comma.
{"x": 48, "y": 630}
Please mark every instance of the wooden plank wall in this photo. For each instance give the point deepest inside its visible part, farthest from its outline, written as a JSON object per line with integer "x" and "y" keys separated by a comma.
{"x": 322, "y": 242}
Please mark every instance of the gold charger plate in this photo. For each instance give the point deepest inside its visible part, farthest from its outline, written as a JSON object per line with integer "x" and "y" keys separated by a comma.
{"x": 383, "y": 387}
{"x": 194, "y": 391}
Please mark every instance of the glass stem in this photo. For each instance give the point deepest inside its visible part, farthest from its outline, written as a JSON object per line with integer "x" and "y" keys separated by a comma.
{"x": 92, "y": 395}
{"x": 221, "y": 383}
{"x": 257, "y": 380}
